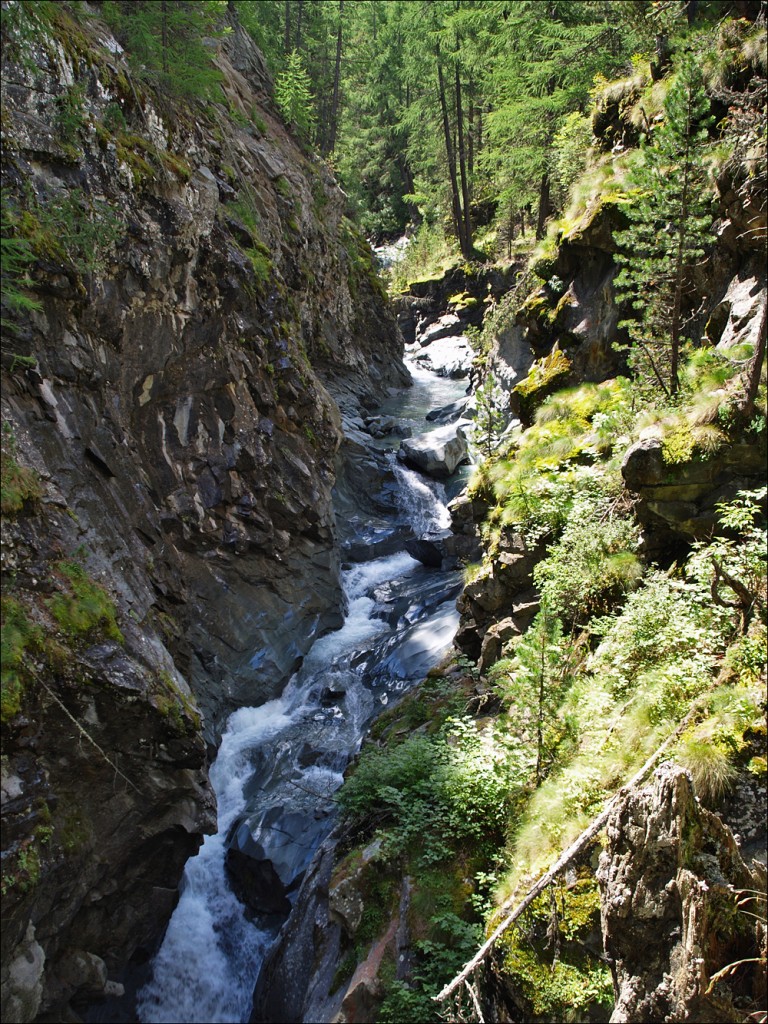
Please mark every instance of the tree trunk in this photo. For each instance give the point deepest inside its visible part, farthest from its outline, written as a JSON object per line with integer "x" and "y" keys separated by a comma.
{"x": 540, "y": 721}
{"x": 674, "y": 362}
{"x": 471, "y": 130}
{"x": 451, "y": 155}
{"x": 298, "y": 25}
{"x": 466, "y": 249}
{"x": 334, "y": 119}
{"x": 164, "y": 36}
{"x": 323, "y": 117}
{"x": 287, "y": 33}
{"x": 756, "y": 366}
{"x": 544, "y": 205}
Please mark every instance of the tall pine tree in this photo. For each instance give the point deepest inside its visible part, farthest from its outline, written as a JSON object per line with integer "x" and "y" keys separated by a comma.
{"x": 665, "y": 240}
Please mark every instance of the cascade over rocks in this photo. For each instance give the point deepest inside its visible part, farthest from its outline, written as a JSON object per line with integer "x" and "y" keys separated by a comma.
{"x": 177, "y": 395}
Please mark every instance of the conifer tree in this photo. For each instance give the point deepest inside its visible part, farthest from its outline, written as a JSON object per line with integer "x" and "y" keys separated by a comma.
{"x": 293, "y": 94}
{"x": 490, "y": 419}
{"x": 536, "y": 683}
{"x": 165, "y": 41}
{"x": 666, "y": 236}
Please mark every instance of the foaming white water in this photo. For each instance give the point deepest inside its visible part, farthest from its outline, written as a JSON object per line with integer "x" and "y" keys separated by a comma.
{"x": 205, "y": 969}
{"x": 200, "y": 974}
{"x": 358, "y": 624}
{"x": 422, "y": 500}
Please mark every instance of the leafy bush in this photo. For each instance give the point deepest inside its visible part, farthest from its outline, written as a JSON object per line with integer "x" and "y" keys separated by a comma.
{"x": 430, "y": 792}
{"x": 593, "y": 565}
{"x": 568, "y": 451}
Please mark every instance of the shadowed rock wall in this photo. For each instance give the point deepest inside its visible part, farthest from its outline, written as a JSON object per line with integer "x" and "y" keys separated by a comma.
{"x": 200, "y": 290}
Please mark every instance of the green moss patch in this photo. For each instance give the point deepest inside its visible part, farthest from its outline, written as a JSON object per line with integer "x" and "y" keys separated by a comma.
{"x": 83, "y": 608}
{"x": 548, "y": 960}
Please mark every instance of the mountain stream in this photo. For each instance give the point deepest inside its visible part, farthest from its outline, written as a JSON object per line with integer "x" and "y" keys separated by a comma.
{"x": 279, "y": 764}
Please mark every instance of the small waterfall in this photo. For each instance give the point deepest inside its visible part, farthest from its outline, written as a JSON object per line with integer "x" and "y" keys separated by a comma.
{"x": 198, "y": 972}
{"x": 423, "y": 500}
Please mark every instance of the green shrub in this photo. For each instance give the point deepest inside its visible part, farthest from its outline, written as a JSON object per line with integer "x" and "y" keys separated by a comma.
{"x": 568, "y": 451}
{"x": 430, "y": 792}
{"x": 593, "y": 565}
{"x": 18, "y": 484}
{"x": 18, "y": 634}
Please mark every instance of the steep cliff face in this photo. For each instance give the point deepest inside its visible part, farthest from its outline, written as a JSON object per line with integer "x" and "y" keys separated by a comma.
{"x": 172, "y": 388}
{"x": 169, "y": 443}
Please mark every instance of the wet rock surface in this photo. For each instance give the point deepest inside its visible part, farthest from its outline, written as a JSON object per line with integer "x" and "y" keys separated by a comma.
{"x": 438, "y": 453}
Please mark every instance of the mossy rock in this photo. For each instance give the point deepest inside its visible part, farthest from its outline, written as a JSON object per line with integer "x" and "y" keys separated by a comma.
{"x": 546, "y": 959}
{"x": 545, "y": 266}
{"x": 83, "y": 609}
{"x": 545, "y": 377}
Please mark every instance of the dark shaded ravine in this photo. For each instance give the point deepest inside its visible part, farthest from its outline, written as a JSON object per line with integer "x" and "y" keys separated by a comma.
{"x": 279, "y": 764}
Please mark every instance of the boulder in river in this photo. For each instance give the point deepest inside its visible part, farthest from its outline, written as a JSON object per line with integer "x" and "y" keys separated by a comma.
{"x": 444, "y": 549}
{"x": 443, "y": 327}
{"x": 448, "y": 357}
{"x": 437, "y": 453}
{"x": 449, "y": 413}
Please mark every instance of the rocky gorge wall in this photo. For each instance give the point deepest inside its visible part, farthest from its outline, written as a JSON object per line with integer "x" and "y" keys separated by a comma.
{"x": 169, "y": 453}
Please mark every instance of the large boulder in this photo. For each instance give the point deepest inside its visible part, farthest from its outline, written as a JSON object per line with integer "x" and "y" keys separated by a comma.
{"x": 444, "y": 549}
{"x": 450, "y": 413}
{"x": 438, "y": 453}
{"x": 443, "y": 327}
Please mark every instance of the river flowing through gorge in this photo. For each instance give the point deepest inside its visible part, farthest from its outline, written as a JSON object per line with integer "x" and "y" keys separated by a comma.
{"x": 279, "y": 764}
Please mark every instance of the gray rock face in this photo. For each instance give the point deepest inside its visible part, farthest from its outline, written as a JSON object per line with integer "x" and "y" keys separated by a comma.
{"x": 677, "y": 501}
{"x": 174, "y": 396}
{"x": 502, "y": 591}
{"x": 669, "y": 879}
{"x": 438, "y": 454}
{"x": 176, "y": 408}
{"x": 296, "y": 980}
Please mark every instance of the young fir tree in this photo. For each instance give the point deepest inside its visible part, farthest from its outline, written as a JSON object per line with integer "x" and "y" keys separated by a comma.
{"x": 15, "y": 258}
{"x": 490, "y": 419}
{"x": 293, "y": 95}
{"x": 669, "y": 219}
{"x": 535, "y": 685}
